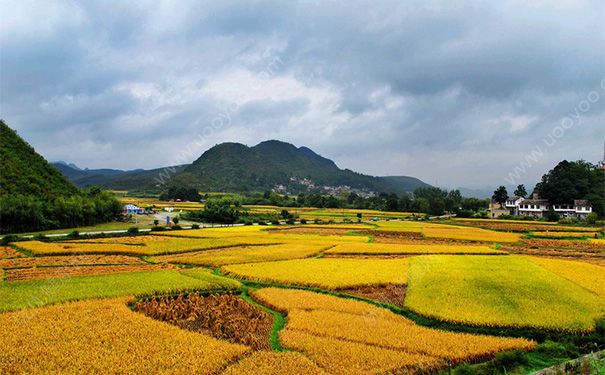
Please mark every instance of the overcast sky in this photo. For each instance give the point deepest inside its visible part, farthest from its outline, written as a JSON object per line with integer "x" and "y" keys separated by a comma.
{"x": 456, "y": 95}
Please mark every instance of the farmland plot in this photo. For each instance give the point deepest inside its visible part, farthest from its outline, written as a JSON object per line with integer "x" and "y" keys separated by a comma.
{"x": 105, "y": 337}
{"x": 324, "y": 272}
{"x": 346, "y": 336}
{"x": 499, "y": 291}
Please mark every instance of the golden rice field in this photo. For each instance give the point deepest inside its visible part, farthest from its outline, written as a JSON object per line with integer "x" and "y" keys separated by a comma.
{"x": 394, "y": 249}
{"x": 7, "y": 252}
{"x": 318, "y": 323}
{"x": 105, "y": 336}
{"x": 503, "y": 291}
{"x": 247, "y": 254}
{"x": 328, "y": 273}
{"x": 563, "y": 234}
{"x": 453, "y": 232}
{"x": 151, "y": 247}
{"x": 76, "y": 260}
{"x": 274, "y": 363}
{"x": 588, "y": 276}
{"x": 375, "y": 314}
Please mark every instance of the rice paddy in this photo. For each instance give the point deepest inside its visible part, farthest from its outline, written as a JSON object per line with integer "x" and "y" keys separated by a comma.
{"x": 236, "y": 302}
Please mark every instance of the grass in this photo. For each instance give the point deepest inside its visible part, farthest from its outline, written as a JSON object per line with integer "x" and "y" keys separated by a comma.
{"x": 27, "y": 294}
{"x": 506, "y": 291}
{"x": 324, "y": 272}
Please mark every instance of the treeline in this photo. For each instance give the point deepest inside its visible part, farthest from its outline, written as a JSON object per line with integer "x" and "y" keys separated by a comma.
{"x": 28, "y": 213}
{"x": 430, "y": 200}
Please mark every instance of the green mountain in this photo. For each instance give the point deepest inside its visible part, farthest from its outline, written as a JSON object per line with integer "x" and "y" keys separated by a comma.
{"x": 283, "y": 166}
{"x": 116, "y": 179}
{"x": 25, "y": 172}
{"x": 234, "y": 167}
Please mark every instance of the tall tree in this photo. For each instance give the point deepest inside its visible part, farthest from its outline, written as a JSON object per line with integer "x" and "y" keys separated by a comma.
{"x": 520, "y": 191}
{"x": 574, "y": 180}
{"x": 500, "y": 195}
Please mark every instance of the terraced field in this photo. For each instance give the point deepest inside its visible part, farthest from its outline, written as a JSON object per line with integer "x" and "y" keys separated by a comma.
{"x": 381, "y": 297}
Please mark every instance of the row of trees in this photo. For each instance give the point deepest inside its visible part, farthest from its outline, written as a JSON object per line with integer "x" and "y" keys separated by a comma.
{"x": 430, "y": 200}
{"x": 26, "y": 213}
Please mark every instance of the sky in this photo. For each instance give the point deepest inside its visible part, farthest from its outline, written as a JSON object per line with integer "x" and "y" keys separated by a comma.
{"x": 461, "y": 93}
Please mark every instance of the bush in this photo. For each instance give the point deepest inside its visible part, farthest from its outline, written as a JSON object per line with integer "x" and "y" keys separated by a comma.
{"x": 506, "y": 361}
{"x": 262, "y": 223}
{"x": 464, "y": 369}
{"x": 9, "y": 238}
{"x": 40, "y": 237}
{"x": 195, "y": 226}
{"x": 303, "y": 221}
{"x": 158, "y": 229}
{"x": 74, "y": 234}
{"x": 290, "y": 221}
{"x": 132, "y": 231}
{"x": 592, "y": 218}
{"x": 176, "y": 227}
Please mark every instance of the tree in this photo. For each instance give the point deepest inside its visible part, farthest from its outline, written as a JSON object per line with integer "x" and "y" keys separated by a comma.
{"x": 220, "y": 211}
{"x": 176, "y": 220}
{"x": 156, "y": 222}
{"x": 520, "y": 191}
{"x": 568, "y": 181}
{"x": 500, "y": 195}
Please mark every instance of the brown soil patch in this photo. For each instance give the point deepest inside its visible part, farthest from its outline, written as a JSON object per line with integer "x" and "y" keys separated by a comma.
{"x": 37, "y": 273}
{"x": 391, "y": 293}
{"x": 224, "y": 316}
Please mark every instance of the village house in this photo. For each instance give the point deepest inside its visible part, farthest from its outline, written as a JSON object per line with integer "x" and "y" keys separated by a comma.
{"x": 537, "y": 207}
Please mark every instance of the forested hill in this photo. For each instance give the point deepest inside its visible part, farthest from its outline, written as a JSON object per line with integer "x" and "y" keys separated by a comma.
{"x": 25, "y": 172}
{"x": 275, "y": 164}
{"x": 36, "y": 196}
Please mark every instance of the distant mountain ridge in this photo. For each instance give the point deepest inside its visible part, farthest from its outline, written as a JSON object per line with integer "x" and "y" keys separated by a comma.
{"x": 234, "y": 167}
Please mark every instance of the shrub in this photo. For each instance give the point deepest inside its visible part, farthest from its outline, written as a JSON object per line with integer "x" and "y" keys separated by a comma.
{"x": 303, "y": 221}
{"x": 158, "y": 229}
{"x": 40, "y": 237}
{"x": 505, "y": 361}
{"x": 176, "y": 227}
{"x": 195, "y": 226}
{"x": 73, "y": 234}
{"x": 592, "y": 218}
{"x": 464, "y": 369}
{"x": 132, "y": 231}
{"x": 9, "y": 238}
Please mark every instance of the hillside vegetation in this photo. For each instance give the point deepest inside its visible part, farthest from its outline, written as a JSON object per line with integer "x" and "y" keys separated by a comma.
{"x": 35, "y": 196}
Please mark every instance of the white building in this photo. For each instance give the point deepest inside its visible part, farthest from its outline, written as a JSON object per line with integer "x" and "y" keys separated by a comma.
{"x": 512, "y": 204}
{"x": 540, "y": 207}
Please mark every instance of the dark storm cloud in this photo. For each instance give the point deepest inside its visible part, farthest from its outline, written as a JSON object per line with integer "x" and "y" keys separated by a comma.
{"x": 453, "y": 93}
